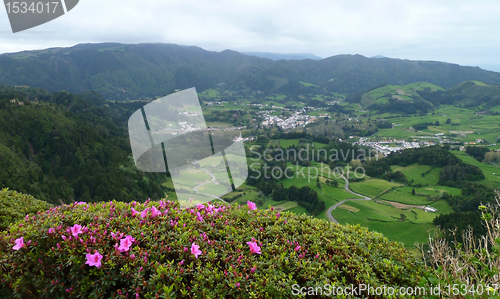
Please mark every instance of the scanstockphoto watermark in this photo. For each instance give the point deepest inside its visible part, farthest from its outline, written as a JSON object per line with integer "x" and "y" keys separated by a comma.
{"x": 312, "y": 173}
{"x": 357, "y": 290}
{"x": 31, "y": 13}
{"x": 306, "y": 155}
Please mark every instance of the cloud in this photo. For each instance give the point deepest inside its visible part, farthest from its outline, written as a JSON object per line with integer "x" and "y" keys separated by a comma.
{"x": 456, "y": 31}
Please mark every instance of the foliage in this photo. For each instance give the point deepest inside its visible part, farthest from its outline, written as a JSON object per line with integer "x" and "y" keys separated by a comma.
{"x": 473, "y": 262}
{"x": 476, "y": 152}
{"x": 14, "y": 206}
{"x": 61, "y": 147}
{"x": 53, "y": 258}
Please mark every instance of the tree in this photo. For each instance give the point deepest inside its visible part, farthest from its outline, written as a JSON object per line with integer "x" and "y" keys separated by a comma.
{"x": 448, "y": 121}
{"x": 413, "y": 191}
{"x": 436, "y": 123}
{"x": 403, "y": 217}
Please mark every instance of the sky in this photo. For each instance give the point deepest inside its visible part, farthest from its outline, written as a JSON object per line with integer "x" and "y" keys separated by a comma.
{"x": 455, "y": 31}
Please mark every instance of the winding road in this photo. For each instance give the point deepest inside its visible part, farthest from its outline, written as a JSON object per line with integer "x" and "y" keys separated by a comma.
{"x": 346, "y": 187}
{"x": 212, "y": 180}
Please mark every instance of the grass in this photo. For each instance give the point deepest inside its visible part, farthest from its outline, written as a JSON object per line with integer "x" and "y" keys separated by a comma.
{"x": 286, "y": 143}
{"x": 218, "y": 124}
{"x": 491, "y": 172}
{"x": 414, "y": 173}
{"x": 399, "y": 231}
{"x": 286, "y": 206}
{"x": 432, "y": 190}
{"x": 442, "y": 206}
{"x": 372, "y": 187}
{"x": 405, "y": 197}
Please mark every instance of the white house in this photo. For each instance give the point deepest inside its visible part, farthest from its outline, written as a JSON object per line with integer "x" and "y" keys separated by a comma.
{"x": 430, "y": 209}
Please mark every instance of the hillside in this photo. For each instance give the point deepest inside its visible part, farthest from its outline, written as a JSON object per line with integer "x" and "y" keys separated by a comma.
{"x": 60, "y": 148}
{"x": 137, "y": 71}
{"x": 407, "y": 93}
{"x": 466, "y": 94}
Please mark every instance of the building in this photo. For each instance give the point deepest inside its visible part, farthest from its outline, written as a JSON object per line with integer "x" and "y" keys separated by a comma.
{"x": 430, "y": 209}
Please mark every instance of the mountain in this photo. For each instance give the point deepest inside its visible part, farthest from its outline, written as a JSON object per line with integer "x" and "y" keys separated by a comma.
{"x": 284, "y": 56}
{"x": 122, "y": 72}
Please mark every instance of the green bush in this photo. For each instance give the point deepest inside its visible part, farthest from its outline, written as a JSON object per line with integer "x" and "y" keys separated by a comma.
{"x": 14, "y": 206}
{"x": 57, "y": 257}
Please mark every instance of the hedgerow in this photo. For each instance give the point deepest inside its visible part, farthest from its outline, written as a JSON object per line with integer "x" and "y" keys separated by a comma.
{"x": 14, "y": 206}
{"x": 159, "y": 250}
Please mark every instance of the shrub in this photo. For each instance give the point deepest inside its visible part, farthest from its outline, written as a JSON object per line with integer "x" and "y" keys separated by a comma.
{"x": 475, "y": 263}
{"x": 14, "y": 206}
{"x": 58, "y": 256}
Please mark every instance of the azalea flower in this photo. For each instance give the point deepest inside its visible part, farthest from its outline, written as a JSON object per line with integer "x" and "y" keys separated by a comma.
{"x": 199, "y": 218}
{"x": 52, "y": 231}
{"x": 195, "y": 250}
{"x": 297, "y": 248}
{"x": 251, "y": 205}
{"x": 144, "y": 213}
{"x": 125, "y": 243}
{"x": 154, "y": 212}
{"x": 134, "y": 212}
{"x": 76, "y": 230}
{"x": 254, "y": 248}
{"x": 94, "y": 259}
{"x": 200, "y": 207}
{"x": 19, "y": 244}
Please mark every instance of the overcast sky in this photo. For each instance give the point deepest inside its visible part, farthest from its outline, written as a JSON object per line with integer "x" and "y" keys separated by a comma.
{"x": 457, "y": 31}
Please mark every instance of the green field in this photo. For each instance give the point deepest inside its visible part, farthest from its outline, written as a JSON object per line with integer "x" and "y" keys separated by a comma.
{"x": 491, "y": 172}
{"x": 372, "y": 187}
{"x": 405, "y": 197}
{"x": 414, "y": 173}
{"x": 406, "y": 231}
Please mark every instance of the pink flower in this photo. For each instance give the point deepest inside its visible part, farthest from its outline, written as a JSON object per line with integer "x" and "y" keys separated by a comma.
{"x": 200, "y": 207}
{"x": 254, "y": 248}
{"x": 125, "y": 243}
{"x": 181, "y": 263}
{"x": 52, "y": 231}
{"x": 297, "y": 248}
{"x": 144, "y": 213}
{"x": 199, "y": 218}
{"x": 133, "y": 212}
{"x": 64, "y": 237}
{"x": 154, "y": 212}
{"x": 76, "y": 230}
{"x": 253, "y": 269}
{"x": 195, "y": 250}
{"x": 19, "y": 244}
{"x": 94, "y": 259}
{"x": 251, "y": 205}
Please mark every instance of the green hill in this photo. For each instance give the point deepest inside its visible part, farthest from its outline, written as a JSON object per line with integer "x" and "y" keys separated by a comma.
{"x": 130, "y": 72}
{"x": 60, "y": 147}
{"x": 466, "y": 94}
{"x": 407, "y": 93}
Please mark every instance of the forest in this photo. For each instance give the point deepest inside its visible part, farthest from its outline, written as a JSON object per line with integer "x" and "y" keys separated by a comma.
{"x": 63, "y": 147}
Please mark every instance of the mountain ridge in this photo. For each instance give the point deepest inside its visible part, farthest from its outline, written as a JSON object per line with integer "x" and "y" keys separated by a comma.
{"x": 124, "y": 72}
